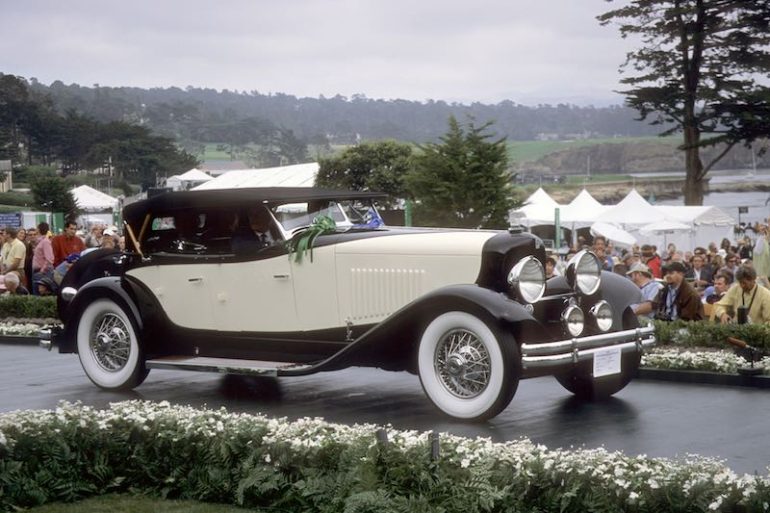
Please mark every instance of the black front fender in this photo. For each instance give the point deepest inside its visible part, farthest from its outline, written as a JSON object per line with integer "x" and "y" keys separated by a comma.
{"x": 391, "y": 343}
{"x": 110, "y": 288}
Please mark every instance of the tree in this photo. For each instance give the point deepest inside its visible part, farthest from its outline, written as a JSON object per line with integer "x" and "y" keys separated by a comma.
{"x": 51, "y": 194}
{"x": 370, "y": 166}
{"x": 463, "y": 181}
{"x": 696, "y": 71}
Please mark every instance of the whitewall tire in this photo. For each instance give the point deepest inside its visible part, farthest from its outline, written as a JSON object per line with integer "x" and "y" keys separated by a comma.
{"x": 108, "y": 347}
{"x": 469, "y": 369}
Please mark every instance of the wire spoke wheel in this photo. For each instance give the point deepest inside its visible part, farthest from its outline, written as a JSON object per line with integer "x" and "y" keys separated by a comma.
{"x": 110, "y": 343}
{"x": 462, "y": 363}
{"x": 108, "y": 346}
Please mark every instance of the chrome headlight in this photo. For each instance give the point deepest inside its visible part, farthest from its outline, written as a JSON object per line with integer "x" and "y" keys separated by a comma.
{"x": 528, "y": 279}
{"x": 602, "y": 315}
{"x": 584, "y": 272}
{"x": 573, "y": 320}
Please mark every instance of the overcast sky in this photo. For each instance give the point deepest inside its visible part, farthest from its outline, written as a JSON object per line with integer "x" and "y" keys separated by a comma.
{"x": 526, "y": 51}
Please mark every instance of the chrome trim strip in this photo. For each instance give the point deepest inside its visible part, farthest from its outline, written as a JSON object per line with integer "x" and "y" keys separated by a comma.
{"x": 538, "y": 362}
{"x": 562, "y": 346}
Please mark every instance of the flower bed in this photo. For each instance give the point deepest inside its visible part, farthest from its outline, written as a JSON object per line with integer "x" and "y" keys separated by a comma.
{"x": 311, "y": 465}
{"x": 723, "y": 362}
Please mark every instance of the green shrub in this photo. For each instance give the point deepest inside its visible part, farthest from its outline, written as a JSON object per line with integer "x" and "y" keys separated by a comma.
{"x": 710, "y": 334}
{"x": 310, "y": 465}
{"x": 28, "y": 307}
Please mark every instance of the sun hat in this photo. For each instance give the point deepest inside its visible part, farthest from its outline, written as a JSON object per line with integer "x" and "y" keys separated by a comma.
{"x": 639, "y": 267}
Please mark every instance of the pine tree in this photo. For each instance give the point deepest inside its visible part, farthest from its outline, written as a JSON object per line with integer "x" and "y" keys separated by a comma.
{"x": 696, "y": 70}
{"x": 463, "y": 181}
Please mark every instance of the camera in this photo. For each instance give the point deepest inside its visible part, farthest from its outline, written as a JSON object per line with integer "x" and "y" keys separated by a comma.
{"x": 742, "y": 315}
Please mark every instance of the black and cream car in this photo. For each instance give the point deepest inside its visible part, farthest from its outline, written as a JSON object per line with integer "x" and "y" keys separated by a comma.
{"x": 469, "y": 311}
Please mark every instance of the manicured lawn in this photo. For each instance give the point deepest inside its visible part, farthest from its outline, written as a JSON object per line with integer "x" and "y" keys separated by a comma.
{"x": 134, "y": 504}
{"x": 529, "y": 151}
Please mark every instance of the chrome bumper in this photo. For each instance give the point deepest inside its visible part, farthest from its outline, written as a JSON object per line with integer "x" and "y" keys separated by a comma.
{"x": 572, "y": 351}
{"x": 46, "y": 338}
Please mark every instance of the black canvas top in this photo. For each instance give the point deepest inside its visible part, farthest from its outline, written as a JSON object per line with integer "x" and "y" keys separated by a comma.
{"x": 225, "y": 197}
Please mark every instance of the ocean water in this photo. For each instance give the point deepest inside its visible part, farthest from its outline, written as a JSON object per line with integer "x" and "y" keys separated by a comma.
{"x": 758, "y": 203}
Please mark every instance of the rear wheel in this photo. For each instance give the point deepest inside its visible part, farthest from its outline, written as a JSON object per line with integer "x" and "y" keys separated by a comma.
{"x": 108, "y": 347}
{"x": 468, "y": 368}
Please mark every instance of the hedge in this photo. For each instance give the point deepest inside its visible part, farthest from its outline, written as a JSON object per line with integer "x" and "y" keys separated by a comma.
{"x": 710, "y": 334}
{"x": 28, "y": 307}
{"x": 311, "y": 465}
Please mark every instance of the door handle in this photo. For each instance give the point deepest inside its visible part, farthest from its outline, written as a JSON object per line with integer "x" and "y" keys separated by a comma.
{"x": 195, "y": 280}
{"x": 281, "y": 276}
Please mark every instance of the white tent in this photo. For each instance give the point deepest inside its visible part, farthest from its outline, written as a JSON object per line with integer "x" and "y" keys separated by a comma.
{"x": 187, "y": 180}
{"x": 618, "y": 236}
{"x": 299, "y": 175}
{"x": 582, "y": 211}
{"x": 706, "y": 224}
{"x": 632, "y": 212}
{"x": 91, "y": 200}
{"x": 538, "y": 209}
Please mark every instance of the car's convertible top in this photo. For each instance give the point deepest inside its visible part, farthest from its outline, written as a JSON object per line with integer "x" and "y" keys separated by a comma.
{"x": 223, "y": 197}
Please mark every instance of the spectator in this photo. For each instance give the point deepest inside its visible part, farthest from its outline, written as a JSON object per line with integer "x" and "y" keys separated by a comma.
{"x": 550, "y": 267}
{"x": 651, "y": 260}
{"x": 94, "y": 237}
{"x": 731, "y": 265}
{"x": 13, "y": 253}
{"x": 45, "y": 286}
{"x": 748, "y": 294}
{"x": 600, "y": 249}
{"x": 66, "y": 244}
{"x": 30, "y": 241}
{"x": 61, "y": 270}
{"x": 42, "y": 259}
{"x": 762, "y": 253}
{"x": 717, "y": 291}
{"x": 13, "y": 285}
{"x": 253, "y": 232}
{"x": 678, "y": 300}
{"x": 699, "y": 274}
{"x": 640, "y": 274}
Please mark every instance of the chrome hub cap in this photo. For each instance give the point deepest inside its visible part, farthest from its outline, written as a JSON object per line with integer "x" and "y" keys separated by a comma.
{"x": 110, "y": 343}
{"x": 462, "y": 363}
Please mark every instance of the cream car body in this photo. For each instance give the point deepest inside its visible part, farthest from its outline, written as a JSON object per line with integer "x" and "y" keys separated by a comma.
{"x": 289, "y": 282}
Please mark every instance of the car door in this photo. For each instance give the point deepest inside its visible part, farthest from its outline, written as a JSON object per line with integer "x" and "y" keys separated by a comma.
{"x": 255, "y": 295}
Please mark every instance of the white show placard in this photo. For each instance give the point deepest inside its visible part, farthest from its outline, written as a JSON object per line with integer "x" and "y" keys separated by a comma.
{"x": 607, "y": 361}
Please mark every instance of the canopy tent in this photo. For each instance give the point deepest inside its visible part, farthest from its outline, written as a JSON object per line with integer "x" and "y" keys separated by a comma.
{"x": 187, "y": 180}
{"x": 299, "y": 175}
{"x": 618, "y": 236}
{"x": 539, "y": 208}
{"x": 706, "y": 224}
{"x": 91, "y": 200}
{"x": 582, "y": 211}
{"x": 632, "y": 212}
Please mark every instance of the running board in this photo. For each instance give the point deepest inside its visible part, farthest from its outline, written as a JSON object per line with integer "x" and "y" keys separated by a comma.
{"x": 223, "y": 365}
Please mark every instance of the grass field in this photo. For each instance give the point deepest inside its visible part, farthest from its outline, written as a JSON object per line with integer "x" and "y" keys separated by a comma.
{"x": 530, "y": 151}
{"x": 135, "y": 504}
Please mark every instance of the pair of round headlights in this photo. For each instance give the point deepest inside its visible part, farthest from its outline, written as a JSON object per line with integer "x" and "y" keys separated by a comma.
{"x": 600, "y": 315}
{"x": 583, "y": 274}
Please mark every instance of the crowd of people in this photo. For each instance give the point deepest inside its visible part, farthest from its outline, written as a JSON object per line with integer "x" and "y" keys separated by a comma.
{"x": 34, "y": 260}
{"x": 726, "y": 282}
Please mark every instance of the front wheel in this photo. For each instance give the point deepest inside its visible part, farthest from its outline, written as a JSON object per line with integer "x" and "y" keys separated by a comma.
{"x": 108, "y": 347}
{"x": 468, "y": 368}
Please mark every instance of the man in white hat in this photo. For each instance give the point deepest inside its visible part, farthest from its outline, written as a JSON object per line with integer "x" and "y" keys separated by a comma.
{"x": 642, "y": 276}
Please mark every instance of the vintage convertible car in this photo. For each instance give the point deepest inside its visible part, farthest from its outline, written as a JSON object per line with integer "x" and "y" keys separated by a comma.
{"x": 469, "y": 311}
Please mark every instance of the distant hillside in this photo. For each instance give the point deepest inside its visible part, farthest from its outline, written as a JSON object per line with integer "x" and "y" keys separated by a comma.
{"x": 207, "y": 115}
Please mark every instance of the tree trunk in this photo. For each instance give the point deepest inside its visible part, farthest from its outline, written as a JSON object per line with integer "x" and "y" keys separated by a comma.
{"x": 693, "y": 184}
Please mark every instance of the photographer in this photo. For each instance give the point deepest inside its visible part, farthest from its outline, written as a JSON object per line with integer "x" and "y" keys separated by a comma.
{"x": 746, "y": 301}
{"x": 678, "y": 300}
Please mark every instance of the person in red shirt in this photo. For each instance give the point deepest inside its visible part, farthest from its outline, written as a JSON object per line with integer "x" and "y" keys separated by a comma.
{"x": 67, "y": 243}
{"x": 652, "y": 260}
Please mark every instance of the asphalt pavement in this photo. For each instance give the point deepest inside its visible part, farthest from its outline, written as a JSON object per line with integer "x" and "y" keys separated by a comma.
{"x": 647, "y": 417}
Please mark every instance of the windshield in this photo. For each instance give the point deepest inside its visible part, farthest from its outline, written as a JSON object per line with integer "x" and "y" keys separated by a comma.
{"x": 346, "y": 214}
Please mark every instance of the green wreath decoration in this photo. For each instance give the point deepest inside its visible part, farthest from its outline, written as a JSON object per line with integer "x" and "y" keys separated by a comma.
{"x": 302, "y": 242}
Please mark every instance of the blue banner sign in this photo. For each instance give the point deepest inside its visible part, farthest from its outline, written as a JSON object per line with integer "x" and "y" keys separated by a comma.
{"x": 13, "y": 220}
